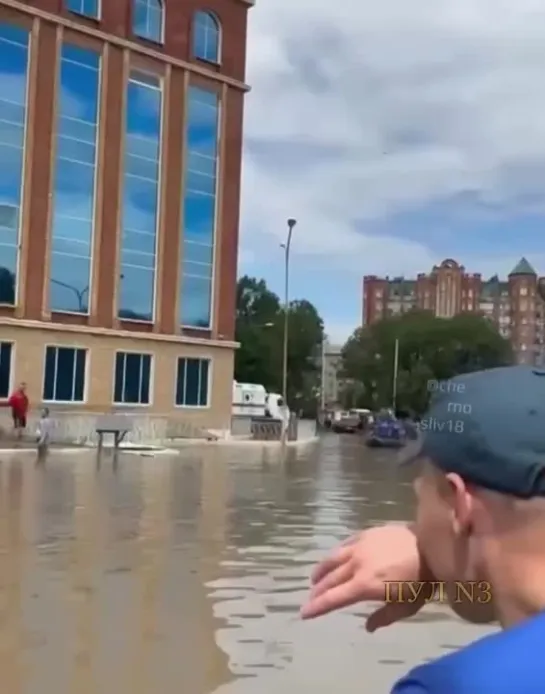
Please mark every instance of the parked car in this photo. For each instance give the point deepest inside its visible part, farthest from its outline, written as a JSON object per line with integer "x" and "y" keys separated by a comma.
{"x": 347, "y": 423}
{"x": 387, "y": 432}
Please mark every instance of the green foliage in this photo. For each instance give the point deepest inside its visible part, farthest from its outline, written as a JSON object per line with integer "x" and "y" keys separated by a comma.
{"x": 429, "y": 348}
{"x": 260, "y": 332}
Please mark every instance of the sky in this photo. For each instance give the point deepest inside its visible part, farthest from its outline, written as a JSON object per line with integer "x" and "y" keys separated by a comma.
{"x": 398, "y": 134}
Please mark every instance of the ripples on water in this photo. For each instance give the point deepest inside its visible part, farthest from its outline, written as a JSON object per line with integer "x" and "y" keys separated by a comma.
{"x": 186, "y": 574}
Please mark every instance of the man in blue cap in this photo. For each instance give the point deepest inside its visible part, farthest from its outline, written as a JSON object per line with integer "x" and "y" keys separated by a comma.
{"x": 480, "y": 491}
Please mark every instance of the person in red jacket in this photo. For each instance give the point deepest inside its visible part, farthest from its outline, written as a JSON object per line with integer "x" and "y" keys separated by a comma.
{"x": 19, "y": 404}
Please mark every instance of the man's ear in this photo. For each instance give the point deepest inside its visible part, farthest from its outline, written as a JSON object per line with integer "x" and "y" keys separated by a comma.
{"x": 460, "y": 501}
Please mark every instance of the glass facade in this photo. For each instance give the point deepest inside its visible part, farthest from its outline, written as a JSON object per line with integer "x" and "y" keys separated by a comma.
{"x": 192, "y": 382}
{"x": 64, "y": 374}
{"x": 14, "y": 56}
{"x": 75, "y": 172}
{"x": 88, "y": 8}
{"x": 86, "y": 195}
{"x": 148, "y": 20}
{"x": 6, "y": 352}
{"x": 206, "y": 37}
{"x": 140, "y": 197}
{"x": 199, "y": 207}
{"x": 132, "y": 382}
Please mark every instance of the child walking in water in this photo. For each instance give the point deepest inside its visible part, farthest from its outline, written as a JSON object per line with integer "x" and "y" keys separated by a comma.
{"x": 43, "y": 434}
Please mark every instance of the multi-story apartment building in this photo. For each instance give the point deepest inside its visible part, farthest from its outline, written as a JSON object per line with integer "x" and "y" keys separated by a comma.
{"x": 513, "y": 304}
{"x": 120, "y": 162}
{"x": 331, "y": 373}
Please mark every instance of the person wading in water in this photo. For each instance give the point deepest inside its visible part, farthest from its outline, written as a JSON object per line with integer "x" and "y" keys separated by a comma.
{"x": 19, "y": 404}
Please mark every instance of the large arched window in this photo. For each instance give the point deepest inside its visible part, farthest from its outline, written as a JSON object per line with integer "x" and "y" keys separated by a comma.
{"x": 206, "y": 37}
{"x": 148, "y": 20}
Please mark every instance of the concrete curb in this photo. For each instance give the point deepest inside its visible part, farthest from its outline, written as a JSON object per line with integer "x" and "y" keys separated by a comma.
{"x": 150, "y": 451}
{"x": 147, "y": 452}
{"x": 62, "y": 451}
{"x": 244, "y": 443}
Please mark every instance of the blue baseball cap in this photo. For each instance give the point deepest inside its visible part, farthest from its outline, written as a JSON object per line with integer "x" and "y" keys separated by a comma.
{"x": 489, "y": 428}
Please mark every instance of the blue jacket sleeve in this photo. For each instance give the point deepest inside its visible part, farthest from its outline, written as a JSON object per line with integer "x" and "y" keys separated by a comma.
{"x": 410, "y": 685}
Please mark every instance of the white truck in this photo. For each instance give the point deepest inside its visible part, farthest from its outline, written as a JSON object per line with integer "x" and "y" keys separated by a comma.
{"x": 275, "y": 407}
{"x": 249, "y": 400}
{"x": 252, "y": 400}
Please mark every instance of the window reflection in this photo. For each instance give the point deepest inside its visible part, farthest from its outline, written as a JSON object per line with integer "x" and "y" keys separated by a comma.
{"x": 14, "y": 53}
{"x": 140, "y": 198}
{"x": 206, "y": 37}
{"x": 88, "y": 8}
{"x": 148, "y": 20}
{"x": 199, "y": 208}
{"x": 74, "y": 193}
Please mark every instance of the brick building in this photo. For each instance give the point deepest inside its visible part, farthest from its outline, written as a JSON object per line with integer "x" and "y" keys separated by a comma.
{"x": 120, "y": 163}
{"x": 512, "y": 304}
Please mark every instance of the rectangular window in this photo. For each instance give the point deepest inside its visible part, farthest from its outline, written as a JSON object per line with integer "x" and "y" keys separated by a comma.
{"x": 64, "y": 374}
{"x": 132, "y": 379}
{"x": 141, "y": 182}
{"x": 192, "y": 383}
{"x": 74, "y": 187}
{"x": 87, "y": 8}
{"x": 199, "y": 207}
{"x": 14, "y": 56}
{"x": 6, "y": 351}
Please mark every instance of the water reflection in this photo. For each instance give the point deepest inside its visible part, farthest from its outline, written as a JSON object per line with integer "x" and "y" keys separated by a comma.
{"x": 185, "y": 574}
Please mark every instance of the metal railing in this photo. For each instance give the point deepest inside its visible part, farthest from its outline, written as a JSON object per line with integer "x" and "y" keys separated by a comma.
{"x": 266, "y": 429}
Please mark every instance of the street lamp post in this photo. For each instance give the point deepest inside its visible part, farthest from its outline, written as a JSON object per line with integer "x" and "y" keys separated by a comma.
{"x": 80, "y": 293}
{"x": 286, "y": 246}
{"x": 322, "y": 375}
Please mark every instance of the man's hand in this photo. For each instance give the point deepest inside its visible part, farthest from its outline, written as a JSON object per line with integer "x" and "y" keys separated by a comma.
{"x": 359, "y": 570}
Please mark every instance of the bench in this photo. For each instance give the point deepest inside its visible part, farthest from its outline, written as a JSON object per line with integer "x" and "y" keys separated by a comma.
{"x": 118, "y": 425}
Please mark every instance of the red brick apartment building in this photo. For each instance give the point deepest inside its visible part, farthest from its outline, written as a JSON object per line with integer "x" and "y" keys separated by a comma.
{"x": 513, "y": 304}
{"x": 120, "y": 165}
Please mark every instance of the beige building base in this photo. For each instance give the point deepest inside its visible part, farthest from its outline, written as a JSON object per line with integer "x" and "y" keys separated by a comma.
{"x": 28, "y": 360}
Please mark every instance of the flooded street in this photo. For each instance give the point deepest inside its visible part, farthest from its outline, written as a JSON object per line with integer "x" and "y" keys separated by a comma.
{"x": 184, "y": 575}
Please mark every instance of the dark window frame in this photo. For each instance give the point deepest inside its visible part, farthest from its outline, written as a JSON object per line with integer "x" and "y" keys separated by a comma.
{"x": 145, "y": 390}
{"x": 184, "y": 379}
{"x": 53, "y": 354}
{"x": 7, "y": 350}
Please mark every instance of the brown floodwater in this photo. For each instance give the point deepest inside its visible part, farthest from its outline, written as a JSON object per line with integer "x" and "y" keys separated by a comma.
{"x": 184, "y": 574}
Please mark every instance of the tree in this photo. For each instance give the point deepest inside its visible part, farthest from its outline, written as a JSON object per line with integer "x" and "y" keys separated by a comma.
{"x": 430, "y": 348}
{"x": 257, "y": 319}
{"x": 306, "y": 334}
{"x": 260, "y": 332}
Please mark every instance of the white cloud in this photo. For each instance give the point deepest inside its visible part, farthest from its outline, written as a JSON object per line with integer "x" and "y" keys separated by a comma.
{"x": 362, "y": 112}
{"x": 402, "y": 105}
